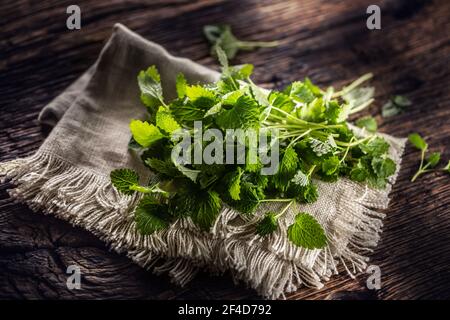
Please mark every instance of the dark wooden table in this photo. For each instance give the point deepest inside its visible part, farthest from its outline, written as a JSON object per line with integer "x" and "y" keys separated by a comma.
{"x": 326, "y": 40}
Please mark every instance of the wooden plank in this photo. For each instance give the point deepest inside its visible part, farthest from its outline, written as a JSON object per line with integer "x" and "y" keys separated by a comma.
{"x": 325, "y": 40}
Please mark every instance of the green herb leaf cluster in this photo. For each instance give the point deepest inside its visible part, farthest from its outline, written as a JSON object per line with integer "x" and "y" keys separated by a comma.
{"x": 315, "y": 143}
{"x": 396, "y": 105}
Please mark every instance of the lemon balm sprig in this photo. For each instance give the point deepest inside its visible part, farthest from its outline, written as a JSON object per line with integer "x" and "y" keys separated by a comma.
{"x": 426, "y": 163}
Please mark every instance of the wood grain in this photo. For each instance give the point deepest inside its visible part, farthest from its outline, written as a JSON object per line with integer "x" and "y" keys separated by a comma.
{"x": 325, "y": 40}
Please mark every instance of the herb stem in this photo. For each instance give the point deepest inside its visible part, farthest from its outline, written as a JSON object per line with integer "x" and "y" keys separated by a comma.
{"x": 249, "y": 45}
{"x": 285, "y": 208}
{"x": 353, "y": 85}
{"x": 275, "y": 200}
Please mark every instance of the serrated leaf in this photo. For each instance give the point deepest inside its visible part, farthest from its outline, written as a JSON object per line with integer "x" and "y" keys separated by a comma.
{"x": 383, "y": 167}
{"x": 287, "y": 168}
{"x": 244, "y": 114}
{"x": 190, "y": 173}
{"x": 267, "y": 225}
{"x": 306, "y": 232}
{"x": 165, "y": 121}
{"x": 260, "y": 96}
{"x": 207, "y": 209}
{"x": 375, "y": 147}
{"x": 358, "y": 174}
{"x": 151, "y": 216}
{"x": 145, "y": 133}
{"x": 196, "y": 92}
{"x": 250, "y": 195}
{"x": 241, "y": 72}
{"x": 313, "y": 111}
{"x": 181, "y": 85}
{"x": 306, "y": 194}
{"x": 300, "y": 179}
{"x": 330, "y": 165}
{"x": 123, "y": 179}
{"x": 150, "y": 84}
{"x": 186, "y": 112}
{"x": 213, "y": 110}
{"x": 417, "y": 141}
{"x": 367, "y": 122}
{"x": 320, "y": 148}
{"x": 358, "y": 96}
{"x": 164, "y": 167}
{"x": 234, "y": 187}
{"x": 301, "y": 92}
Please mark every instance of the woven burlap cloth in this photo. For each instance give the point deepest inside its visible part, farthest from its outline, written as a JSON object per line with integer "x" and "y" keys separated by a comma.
{"x": 69, "y": 177}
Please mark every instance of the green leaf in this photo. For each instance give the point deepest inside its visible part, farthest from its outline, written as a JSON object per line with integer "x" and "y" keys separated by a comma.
{"x": 332, "y": 111}
{"x": 375, "y": 147}
{"x": 241, "y": 72}
{"x": 367, "y": 122}
{"x": 383, "y": 167}
{"x": 267, "y": 225}
{"x": 447, "y": 167}
{"x": 213, "y": 110}
{"x": 196, "y": 92}
{"x": 250, "y": 197}
{"x": 151, "y": 216}
{"x": 287, "y": 168}
{"x": 244, "y": 114}
{"x": 144, "y": 133}
{"x": 401, "y": 101}
{"x": 303, "y": 194}
{"x": 359, "y": 173}
{"x": 390, "y": 109}
{"x": 300, "y": 179}
{"x": 207, "y": 209}
{"x": 394, "y": 106}
{"x": 150, "y": 84}
{"x": 433, "y": 159}
{"x": 165, "y": 121}
{"x": 181, "y": 85}
{"x": 417, "y": 141}
{"x": 123, "y": 179}
{"x": 330, "y": 165}
{"x": 189, "y": 173}
{"x": 234, "y": 188}
{"x": 306, "y": 232}
{"x": 358, "y": 96}
{"x": 319, "y": 147}
{"x": 301, "y": 92}
{"x": 313, "y": 111}
{"x": 164, "y": 167}
{"x": 187, "y": 112}
{"x": 223, "y": 59}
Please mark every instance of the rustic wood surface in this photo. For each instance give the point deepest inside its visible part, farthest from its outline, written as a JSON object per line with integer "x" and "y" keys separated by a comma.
{"x": 326, "y": 40}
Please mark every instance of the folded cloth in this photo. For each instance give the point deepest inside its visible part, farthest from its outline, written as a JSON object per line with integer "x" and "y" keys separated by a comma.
{"x": 69, "y": 177}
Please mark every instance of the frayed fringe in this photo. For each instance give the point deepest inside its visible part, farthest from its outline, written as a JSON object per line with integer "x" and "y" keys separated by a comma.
{"x": 272, "y": 266}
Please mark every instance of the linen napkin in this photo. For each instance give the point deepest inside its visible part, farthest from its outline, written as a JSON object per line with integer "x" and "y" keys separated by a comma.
{"x": 69, "y": 177}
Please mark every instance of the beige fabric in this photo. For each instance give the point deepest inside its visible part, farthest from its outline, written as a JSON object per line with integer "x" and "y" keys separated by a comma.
{"x": 69, "y": 177}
